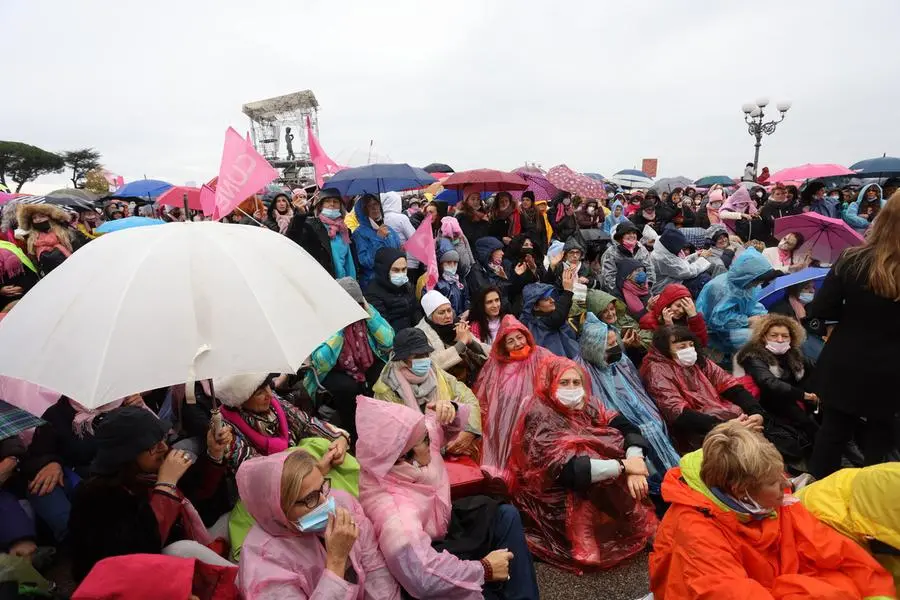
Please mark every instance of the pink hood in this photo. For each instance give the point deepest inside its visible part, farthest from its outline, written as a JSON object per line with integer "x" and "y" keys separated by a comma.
{"x": 410, "y": 506}
{"x": 277, "y": 561}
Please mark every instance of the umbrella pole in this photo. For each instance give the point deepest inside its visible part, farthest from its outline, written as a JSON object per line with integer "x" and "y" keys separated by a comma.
{"x": 185, "y": 200}
{"x": 216, "y": 415}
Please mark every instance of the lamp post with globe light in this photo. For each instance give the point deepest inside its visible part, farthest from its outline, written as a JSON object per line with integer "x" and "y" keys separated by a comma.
{"x": 754, "y": 114}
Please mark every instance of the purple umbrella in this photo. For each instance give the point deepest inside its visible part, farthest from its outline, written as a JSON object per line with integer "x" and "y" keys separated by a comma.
{"x": 825, "y": 238}
{"x": 537, "y": 183}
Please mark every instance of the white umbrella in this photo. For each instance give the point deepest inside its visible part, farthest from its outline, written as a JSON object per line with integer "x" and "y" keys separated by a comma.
{"x": 632, "y": 179}
{"x": 151, "y": 307}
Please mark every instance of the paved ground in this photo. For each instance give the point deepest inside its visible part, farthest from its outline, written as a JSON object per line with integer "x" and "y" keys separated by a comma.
{"x": 628, "y": 581}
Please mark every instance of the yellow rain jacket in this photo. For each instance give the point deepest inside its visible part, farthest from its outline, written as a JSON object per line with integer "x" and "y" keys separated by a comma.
{"x": 864, "y": 505}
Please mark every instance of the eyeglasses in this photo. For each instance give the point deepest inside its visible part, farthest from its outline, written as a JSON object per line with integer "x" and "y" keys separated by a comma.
{"x": 312, "y": 500}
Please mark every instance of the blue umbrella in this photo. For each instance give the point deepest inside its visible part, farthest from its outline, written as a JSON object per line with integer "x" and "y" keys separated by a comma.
{"x": 776, "y": 291}
{"x": 379, "y": 178}
{"x": 127, "y": 223}
{"x": 883, "y": 166}
{"x": 596, "y": 176}
{"x": 711, "y": 180}
{"x": 452, "y": 197}
{"x": 142, "y": 189}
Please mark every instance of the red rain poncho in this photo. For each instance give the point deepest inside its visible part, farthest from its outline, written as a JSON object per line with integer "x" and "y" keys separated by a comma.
{"x": 501, "y": 388}
{"x": 574, "y": 531}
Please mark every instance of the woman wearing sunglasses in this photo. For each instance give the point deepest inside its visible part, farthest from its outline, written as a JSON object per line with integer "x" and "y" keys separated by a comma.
{"x": 309, "y": 541}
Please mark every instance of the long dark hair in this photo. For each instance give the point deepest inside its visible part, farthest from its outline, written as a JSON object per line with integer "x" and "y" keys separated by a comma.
{"x": 477, "y": 314}
{"x": 665, "y": 336}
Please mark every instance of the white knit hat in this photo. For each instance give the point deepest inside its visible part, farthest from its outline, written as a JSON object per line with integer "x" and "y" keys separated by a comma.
{"x": 432, "y": 300}
{"x": 235, "y": 390}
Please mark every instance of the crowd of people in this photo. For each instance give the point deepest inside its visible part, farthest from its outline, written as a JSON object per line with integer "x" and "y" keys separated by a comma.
{"x": 604, "y": 364}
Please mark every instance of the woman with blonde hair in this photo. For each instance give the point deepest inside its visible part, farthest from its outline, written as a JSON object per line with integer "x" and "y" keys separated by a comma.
{"x": 859, "y": 375}
{"x": 732, "y": 532}
{"x": 309, "y": 541}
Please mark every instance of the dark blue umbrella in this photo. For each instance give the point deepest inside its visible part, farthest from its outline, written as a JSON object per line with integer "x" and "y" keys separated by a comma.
{"x": 142, "y": 189}
{"x": 776, "y": 291}
{"x": 452, "y": 197}
{"x": 883, "y": 166}
{"x": 596, "y": 176}
{"x": 379, "y": 178}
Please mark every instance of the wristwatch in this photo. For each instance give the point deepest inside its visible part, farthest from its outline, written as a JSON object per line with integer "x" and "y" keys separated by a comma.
{"x": 621, "y": 466}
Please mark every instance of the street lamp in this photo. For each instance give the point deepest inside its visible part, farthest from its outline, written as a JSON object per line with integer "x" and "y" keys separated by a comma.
{"x": 754, "y": 114}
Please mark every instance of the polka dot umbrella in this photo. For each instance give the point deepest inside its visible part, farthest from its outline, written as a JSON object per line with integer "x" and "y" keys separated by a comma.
{"x": 576, "y": 183}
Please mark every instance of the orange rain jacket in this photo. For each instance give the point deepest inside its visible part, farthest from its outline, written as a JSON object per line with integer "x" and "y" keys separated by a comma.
{"x": 703, "y": 550}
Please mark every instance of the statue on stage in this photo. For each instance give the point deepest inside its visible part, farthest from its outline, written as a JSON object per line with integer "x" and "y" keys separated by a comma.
{"x": 289, "y": 142}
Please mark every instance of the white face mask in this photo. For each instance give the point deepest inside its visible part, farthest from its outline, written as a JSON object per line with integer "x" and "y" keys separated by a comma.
{"x": 570, "y": 397}
{"x": 686, "y": 357}
{"x": 778, "y": 347}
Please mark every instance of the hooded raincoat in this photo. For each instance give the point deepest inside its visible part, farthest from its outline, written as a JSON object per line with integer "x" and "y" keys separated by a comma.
{"x": 730, "y": 299}
{"x": 860, "y": 504}
{"x": 705, "y": 550}
{"x": 392, "y": 207}
{"x": 852, "y": 216}
{"x": 396, "y": 304}
{"x": 670, "y": 294}
{"x": 619, "y": 387}
{"x": 572, "y": 526}
{"x": 482, "y": 276}
{"x": 598, "y": 300}
{"x": 277, "y": 561}
{"x": 612, "y": 220}
{"x": 669, "y": 266}
{"x": 501, "y": 388}
{"x": 368, "y": 242}
{"x": 552, "y": 331}
{"x": 410, "y": 506}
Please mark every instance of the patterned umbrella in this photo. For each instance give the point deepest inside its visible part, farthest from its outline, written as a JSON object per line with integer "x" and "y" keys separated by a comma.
{"x": 631, "y": 179}
{"x": 14, "y": 421}
{"x": 571, "y": 181}
{"x": 543, "y": 189}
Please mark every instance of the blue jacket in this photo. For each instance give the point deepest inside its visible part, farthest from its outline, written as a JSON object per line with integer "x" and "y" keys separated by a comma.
{"x": 367, "y": 243}
{"x": 727, "y": 302}
{"x": 826, "y": 207}
{"x": 552, "y": 331}
{"x": 611, "y": 220}
{"x": 851, "y": 215}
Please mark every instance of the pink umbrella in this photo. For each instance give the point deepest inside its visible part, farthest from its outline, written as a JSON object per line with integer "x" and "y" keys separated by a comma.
{"x": 810, "y": 171}
{"x": 824, "y": 238}
{"x": 537, "y": 183}
{"x": 26, "y": 395}
{"x": 571, "y": 181}
{"x": 6, "y": 197}
{"x": 174, "y": 196}
{"x": 485, "y": 180}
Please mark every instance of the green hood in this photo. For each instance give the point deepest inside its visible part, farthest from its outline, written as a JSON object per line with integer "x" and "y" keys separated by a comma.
{"x": 690, "y": 471}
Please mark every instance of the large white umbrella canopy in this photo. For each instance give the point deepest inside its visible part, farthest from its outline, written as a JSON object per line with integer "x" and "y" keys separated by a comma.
{"x": 150, "y": 307}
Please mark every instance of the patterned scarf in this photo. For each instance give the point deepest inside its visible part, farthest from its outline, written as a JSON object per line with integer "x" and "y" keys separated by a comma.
{"x": 415, "y": 391}
{"x": 283, "y": 220}
{"x": 452, "y": 279}
{"x": 268, "y": 432}
{"x": 633, "y": 294}
{"x": 335, "y": 227}
{"x": 10, "y": 265}
{"x": 356, "y": 355}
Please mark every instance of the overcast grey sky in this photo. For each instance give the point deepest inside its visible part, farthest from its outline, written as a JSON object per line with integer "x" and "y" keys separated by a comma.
{"x": 595, "y": 84}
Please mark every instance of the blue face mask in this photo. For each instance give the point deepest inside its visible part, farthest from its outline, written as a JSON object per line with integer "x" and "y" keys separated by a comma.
{"x": 331, "y": 213}
{"x": 805, "y": 297}
{"x": 316, "y": 520}
{"x": 420, "y": 366}
{"x": 640, "y": 278}
{"x": 399, "y": 279}
{"x": 448, "y": 270}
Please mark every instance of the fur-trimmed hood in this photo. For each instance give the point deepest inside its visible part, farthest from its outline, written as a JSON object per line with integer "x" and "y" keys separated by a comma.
{"x": 26, "y": 212}
{"x": 793, "y": 359}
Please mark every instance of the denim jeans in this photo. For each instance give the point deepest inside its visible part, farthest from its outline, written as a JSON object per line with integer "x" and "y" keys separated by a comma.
{"x": 508, "y": 533}
{"x": 53, "y": 509}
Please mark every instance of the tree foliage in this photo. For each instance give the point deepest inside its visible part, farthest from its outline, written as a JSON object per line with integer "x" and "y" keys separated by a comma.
{"x": 81, "y": 161}
{"x": 21, "y": 163}
{"x": 95, "y": 181}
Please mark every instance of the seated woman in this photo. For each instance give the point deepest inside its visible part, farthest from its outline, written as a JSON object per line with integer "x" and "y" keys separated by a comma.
{"x": 450, "y": 284}
{"x": 405, "y": 490}
{"x": 391, "y": 292}
{"x": 617, "y": 384}
{"x": 527, "y": 248}
{"x": 624, "y": 246}
{"x": 456, "y": 349}
{"x": 786, "y": 256}
{"x": 309, "y": 541}
{"x": 17, "y": 274}
{"x": 732, "y": 532}
{"x": 692, "y": 392}
{"x": 485, "y": 316}
{"x": 506, "y": 378}
{"x": 783, "y": 375}
{"x": 547, "y": 317}
{"x": 721, "y": 250}
{"x": 613, "y": 311}
{"x": 794, "y": 305}
{"x": 411, "y": 378}
{"x": 492, "y": 270}
{"x": 264, "y": 423}
{"x": 633, "y": 287}
{"x": 673, "y": 264}
{"x": 855, "y": 502}
{"x": 370, "y": 236}
{"x": 447, "y": 229}
{"x": 615, "y": 217}
{"x": 676, "y": 307}
{"x": 137, "y": 501}
{"x": 729, "y": 302}
{"x": 573, "y": 260}
{"x": 580, "y": 477}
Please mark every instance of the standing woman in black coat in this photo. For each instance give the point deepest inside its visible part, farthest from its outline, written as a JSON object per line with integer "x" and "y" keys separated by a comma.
{"x": 324, "y": 234}
{"x": 858, "y": 374}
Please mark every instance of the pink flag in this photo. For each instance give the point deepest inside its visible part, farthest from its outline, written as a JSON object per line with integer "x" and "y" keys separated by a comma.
{"x": 420, "y": 246}
{"x": 322, "y": 163}
{"x": 207, "y": 200}
{"x": 242, "y": 173}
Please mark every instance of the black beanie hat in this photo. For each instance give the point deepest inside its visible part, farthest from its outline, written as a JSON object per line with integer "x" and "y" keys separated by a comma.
{"x": 409, "y": 342}
{"x": 122, "y": 434}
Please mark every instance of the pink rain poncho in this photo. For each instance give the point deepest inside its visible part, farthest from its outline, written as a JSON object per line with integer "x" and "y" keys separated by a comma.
{"x": 500, "y": 388}
{"x": 410, "y": 505}
{"x": 573, "y": 530}
{"x": 277, "y": 561}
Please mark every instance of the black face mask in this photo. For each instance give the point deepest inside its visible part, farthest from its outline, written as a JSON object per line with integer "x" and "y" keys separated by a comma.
{"x": 527, "y": 251}
{"x": 613, "y": 355}
{"x": 45, "y": 226}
